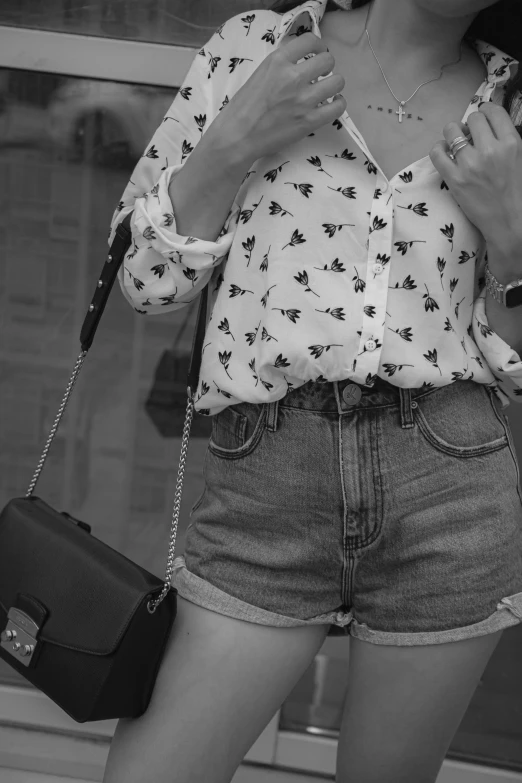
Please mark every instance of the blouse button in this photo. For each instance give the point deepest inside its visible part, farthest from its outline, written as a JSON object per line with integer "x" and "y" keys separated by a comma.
{"x": 370, "y": 345}
{"x": 377, "y": 268}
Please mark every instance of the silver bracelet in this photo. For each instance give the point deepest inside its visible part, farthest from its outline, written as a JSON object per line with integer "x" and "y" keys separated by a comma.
{"x": 493, "y": 286}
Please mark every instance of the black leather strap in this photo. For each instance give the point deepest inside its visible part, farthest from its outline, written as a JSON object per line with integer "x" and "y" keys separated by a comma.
{"x": 197, "y": 343}
{"x": 120, "y": 245}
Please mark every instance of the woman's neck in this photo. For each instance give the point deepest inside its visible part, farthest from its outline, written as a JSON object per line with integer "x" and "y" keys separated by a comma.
{"x": 408, "y": 37}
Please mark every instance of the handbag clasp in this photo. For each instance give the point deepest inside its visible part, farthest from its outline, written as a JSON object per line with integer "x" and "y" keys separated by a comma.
{"x": 19, "y": 636}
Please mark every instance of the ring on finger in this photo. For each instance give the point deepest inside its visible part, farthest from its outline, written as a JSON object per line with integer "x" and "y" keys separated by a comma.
{"x": 457, "y": 144}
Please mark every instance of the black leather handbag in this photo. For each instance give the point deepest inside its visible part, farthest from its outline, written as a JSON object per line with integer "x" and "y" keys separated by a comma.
{"x": 80, "y": 621}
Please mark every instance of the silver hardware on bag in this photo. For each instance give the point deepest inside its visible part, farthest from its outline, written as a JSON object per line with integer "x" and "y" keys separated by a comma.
{"x": 19, "y": 636}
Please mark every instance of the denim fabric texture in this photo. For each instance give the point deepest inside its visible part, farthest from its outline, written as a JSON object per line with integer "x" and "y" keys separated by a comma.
{"x": 392, "y": 515}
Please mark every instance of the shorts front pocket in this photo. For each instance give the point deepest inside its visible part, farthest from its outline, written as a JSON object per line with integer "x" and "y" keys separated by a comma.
{"x": 237, "y": 430}
{"x": 198, "y": 502}
{"x": 462, "y": 425}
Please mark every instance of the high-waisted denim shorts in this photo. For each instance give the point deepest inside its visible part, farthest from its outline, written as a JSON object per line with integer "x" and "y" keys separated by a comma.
{"x": 392, "y": 515}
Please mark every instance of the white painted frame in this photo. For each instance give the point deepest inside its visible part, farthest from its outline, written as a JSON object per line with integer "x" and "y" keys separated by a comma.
{"x": 59, "y": 746}
{"x": 94, "y": 57}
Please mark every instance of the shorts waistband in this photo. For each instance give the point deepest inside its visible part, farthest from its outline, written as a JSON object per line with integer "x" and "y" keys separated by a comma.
{"x": 345, "y": 396}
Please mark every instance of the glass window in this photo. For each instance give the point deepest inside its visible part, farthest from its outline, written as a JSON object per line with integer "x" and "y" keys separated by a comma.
{"x": 176, "y": 22}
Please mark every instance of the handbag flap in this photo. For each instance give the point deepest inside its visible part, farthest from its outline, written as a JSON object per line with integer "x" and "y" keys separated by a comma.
{"x": 90, "y": 591}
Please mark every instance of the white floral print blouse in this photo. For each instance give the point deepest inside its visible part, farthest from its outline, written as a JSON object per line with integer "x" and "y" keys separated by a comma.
{"x": 324, "y": 270}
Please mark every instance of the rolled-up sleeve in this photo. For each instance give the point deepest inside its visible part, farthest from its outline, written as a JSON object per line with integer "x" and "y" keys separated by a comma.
{"x": 164, "y": 270}
{"x": 503, "y": 361}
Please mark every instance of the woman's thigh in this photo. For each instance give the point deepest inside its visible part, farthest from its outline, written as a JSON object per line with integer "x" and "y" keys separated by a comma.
{"x": 404, "y": 705}
{"x": 220, "y": 682}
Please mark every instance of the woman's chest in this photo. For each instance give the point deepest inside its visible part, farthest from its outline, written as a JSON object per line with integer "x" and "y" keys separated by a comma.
{"x": 397, "y": 138}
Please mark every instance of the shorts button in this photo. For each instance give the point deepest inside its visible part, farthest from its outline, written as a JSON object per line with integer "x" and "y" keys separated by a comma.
{"x": 352, "y": 394}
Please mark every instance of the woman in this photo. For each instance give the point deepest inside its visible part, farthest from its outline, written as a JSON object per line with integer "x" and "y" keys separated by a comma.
{"x": 361, "y": 474}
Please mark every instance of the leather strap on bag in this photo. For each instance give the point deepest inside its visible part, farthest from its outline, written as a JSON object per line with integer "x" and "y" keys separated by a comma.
{"x": 121, "y": 242}
{"x": 197, "y": 344}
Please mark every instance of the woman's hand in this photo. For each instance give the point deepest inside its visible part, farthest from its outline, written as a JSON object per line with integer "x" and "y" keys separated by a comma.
{"x": 279, "y": 104}
{"x": 485, "y": 178}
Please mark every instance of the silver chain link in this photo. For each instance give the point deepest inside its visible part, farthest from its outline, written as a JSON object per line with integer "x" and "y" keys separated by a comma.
{"x": 70, "y": 385}
{"x": 151, "y": 605}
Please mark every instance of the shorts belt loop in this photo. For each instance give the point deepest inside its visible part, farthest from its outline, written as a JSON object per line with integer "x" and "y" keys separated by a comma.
{"x": 406, "y": 409}
{"x": 271, "y": 416}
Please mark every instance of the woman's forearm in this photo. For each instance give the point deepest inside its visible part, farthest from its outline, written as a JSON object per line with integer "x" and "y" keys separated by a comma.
{"x": 203, "y": 191}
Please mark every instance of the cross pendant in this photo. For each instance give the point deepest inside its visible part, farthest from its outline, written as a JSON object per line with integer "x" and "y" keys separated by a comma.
{"x": 401, "y": 111}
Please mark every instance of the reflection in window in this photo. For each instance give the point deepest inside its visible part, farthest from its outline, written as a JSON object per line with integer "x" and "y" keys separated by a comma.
{"x": 149, "y": 488}
{"x": 175, "y": 22}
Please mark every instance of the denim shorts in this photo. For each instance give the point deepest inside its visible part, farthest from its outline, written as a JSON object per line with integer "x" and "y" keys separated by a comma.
{"x": 392, "y": 515}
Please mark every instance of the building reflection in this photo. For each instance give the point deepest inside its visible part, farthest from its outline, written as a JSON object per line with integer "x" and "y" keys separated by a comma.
{"x": 175, "y": 22}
